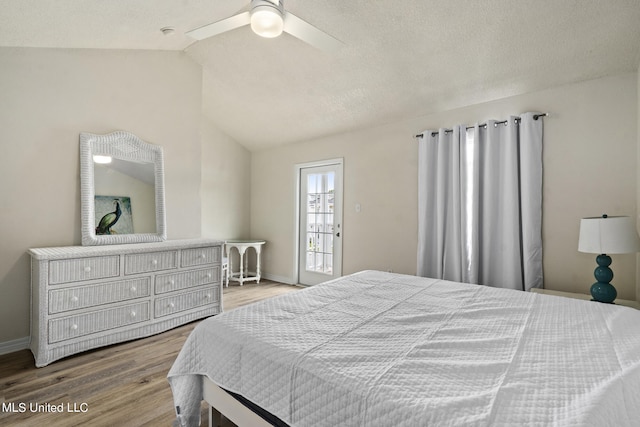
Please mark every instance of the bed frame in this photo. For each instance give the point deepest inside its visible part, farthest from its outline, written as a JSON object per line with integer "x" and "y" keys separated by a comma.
{"x": 227, "y": 405}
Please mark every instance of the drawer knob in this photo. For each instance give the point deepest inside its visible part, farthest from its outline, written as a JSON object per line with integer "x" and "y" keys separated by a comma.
{"x": 74, "y": 326}
{"x": 207, "y": 296}
{"x": 154, "y": 262}
{"x": 133, "y": 314}
{"x": 74, "y": 299}
{"x": 171, "y": 305}
{"x": 203, "y": 256}
{"x": 208, "y": 275}
{"x": 87, "y": 269}
{"x": 172, "y": 282}
{"x": 133, "y": 289}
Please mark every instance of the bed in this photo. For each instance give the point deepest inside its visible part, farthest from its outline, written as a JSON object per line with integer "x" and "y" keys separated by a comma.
{"x": 384, "y": 349}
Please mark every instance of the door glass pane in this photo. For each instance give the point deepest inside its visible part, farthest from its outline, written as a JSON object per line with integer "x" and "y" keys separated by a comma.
{"x": 310, "y": 261}
{"x": 320, "y": 209}
{"x": 328, "y": 264}
{"x": 312, "y": 184}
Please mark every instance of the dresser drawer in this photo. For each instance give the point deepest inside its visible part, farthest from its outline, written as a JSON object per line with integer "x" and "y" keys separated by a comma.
{"x": 201, "y": 256}
{"x": 186, "y": 279}
{"x": 154, "y": 261}
{"x": 76, "y": 270}
{"x": 61, "y": 300}
{"x": 78, "y": 325}
{"x": 181, "y": 302}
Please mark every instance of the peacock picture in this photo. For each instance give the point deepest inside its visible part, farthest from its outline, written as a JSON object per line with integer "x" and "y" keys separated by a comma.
{"x": 113, "y": 215}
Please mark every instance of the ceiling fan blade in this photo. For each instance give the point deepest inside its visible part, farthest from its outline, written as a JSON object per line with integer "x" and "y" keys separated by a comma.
{"x": 220, "y": 27}
{"x": 309, "y": 34}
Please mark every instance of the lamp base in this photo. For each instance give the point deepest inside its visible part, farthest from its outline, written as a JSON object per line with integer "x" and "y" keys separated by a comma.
{"x": 602, "y": 290}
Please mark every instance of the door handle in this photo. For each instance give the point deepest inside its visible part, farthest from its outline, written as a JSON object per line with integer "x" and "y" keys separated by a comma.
{"x": 338, "y": 234}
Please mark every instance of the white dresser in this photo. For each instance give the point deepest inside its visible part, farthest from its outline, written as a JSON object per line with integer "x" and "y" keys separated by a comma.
{"x": 83, "y": 297}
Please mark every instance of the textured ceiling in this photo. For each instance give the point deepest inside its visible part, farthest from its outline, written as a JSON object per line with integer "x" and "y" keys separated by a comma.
{"x": 399, "y": 59}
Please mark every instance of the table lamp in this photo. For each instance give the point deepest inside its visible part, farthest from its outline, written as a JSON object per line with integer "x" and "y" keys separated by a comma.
{"x": 607, "y": 235}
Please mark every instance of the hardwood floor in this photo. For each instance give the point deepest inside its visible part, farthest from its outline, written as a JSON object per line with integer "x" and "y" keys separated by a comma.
{"x": 119, "y": 385}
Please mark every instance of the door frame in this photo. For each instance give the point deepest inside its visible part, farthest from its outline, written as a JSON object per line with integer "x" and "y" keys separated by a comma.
{"x": 296, "y": 235}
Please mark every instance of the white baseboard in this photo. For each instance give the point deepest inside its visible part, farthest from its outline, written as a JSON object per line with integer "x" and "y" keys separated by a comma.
{"x": 14, "y": 345}
{"x": 281, "y": 279}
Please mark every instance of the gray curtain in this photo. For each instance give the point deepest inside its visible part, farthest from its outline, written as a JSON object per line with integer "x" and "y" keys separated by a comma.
{"x": 480, "y": 203}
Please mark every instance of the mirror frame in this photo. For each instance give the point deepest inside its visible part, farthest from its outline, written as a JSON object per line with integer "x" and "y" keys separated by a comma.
{"x": 125, "y": 146}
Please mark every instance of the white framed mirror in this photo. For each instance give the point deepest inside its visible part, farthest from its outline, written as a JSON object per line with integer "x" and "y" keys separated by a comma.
{"x": 121, "y": 189}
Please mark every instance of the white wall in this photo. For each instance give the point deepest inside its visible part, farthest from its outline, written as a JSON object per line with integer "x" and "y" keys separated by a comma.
{"x": 590, "y": 164}
{"x": 226, "y": 172}
{"x": 638, "y": 187}
{"x": 49, "y": 96}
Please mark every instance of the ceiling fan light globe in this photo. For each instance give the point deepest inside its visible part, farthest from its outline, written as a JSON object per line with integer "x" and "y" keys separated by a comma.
{"x": 103, "y": 160}
{"x": 266, "y": 21}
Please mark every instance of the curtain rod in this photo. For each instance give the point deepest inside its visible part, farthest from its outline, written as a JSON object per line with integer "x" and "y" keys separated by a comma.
{"x": 535, "y": 117}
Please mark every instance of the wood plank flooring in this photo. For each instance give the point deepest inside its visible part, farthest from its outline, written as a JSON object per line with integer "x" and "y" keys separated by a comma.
{"x": 120, "y": 385}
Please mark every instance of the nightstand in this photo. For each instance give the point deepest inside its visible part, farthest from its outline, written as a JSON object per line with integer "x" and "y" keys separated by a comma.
{"x": 625, "y": 302}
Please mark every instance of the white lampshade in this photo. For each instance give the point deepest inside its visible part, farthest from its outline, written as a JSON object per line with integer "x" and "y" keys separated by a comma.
{"x": 608, "y": 235}
{"x": 266, "y": 20}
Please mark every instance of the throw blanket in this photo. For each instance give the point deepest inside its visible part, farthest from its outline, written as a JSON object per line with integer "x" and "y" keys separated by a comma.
{"x": 383, "y": 349}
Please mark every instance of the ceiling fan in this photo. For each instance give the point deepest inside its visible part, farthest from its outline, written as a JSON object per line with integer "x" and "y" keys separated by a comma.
{"x": 268, "y": 18}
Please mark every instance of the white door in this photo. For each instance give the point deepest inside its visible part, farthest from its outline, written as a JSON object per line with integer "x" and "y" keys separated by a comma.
{"x": 320, "y": 228}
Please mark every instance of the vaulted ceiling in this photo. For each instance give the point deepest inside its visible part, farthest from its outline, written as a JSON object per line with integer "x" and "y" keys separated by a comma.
{"x": 398, "y": 59}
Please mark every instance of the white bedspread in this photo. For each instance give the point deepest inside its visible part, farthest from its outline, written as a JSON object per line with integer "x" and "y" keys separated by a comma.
{"x": 382, "y": 349}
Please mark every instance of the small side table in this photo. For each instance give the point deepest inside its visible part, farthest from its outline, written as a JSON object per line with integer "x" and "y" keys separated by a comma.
{"x": 243, "y": 275}
{"x": 627, "y": 303}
